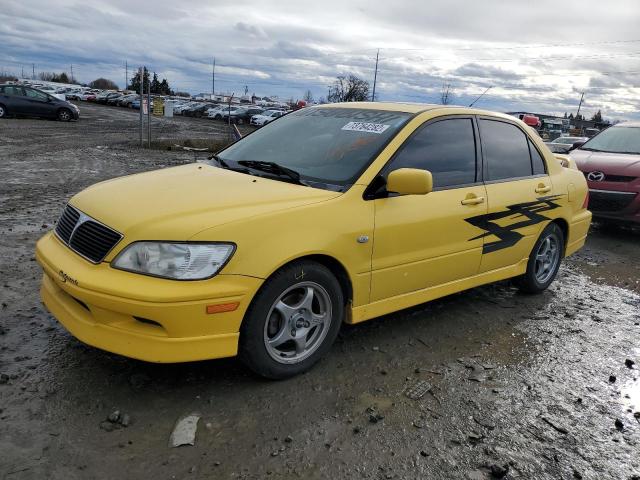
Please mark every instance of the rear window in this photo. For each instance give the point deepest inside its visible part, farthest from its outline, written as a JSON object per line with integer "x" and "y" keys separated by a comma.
{"x": 506, "y": 150}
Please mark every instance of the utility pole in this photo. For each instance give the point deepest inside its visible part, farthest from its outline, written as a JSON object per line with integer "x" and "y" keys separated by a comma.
{"x": 33, "y": 71}
{"x": 580, "y": 105}
{"x": 149, "y": 113}
{"x": 141, "y": 100}
{"x": 71, "y": 79}
{"x": 213, "y": 79}
{"x": 126, "y": 75}
{"x": 375, "y": 78}
{"x": 22, "y": 72}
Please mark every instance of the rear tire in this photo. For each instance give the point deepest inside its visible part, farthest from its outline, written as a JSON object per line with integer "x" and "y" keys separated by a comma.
{"x": 3, "y": 111}
{"x": 544, "y": 261}
{"x": 65, "y": 115}
{"x": 292, "y": 321}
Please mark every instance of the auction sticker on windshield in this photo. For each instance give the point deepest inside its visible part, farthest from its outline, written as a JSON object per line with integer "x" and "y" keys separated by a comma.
{"x": 365, "y": 127}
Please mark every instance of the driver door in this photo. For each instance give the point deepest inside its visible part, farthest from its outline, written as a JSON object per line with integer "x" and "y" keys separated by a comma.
{"x": 422, "y": 241}
{"x": 37, "y": 103}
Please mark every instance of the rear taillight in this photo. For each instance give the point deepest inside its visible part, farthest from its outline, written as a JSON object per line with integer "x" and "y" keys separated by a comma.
{"x": 585, "y": 205}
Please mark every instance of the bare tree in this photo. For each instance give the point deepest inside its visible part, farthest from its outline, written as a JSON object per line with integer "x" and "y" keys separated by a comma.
{"x": 7, "y": 77}
{"x": 103, "y": 84}
{"x": 349, "y": 89}
{"x": 308, "y": 96}
{"x": 446, "y": 94}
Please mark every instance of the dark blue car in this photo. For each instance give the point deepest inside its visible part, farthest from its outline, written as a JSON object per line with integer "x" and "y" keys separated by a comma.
{"x": 22, "y": 100}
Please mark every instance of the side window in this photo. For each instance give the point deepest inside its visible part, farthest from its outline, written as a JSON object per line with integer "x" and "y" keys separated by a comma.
{"x": 35, "y": 94}
{"x": 446, "y": 148}
{"x": 537, "y": 162}
{"x": 13, "y": 91}
{"x": 505, "y": 149}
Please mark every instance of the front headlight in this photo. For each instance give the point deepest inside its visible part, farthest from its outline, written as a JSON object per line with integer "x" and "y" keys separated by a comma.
{"x": 178, "y": 261}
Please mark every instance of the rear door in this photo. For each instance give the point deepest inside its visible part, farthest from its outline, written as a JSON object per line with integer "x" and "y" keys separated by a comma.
{"x": 13, "y": 97}
{"x": 519, "y": 191}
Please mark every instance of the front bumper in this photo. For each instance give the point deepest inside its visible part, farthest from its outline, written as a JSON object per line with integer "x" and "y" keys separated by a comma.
{"x": 142, "y": 317}
{"x": 614, "y": 204}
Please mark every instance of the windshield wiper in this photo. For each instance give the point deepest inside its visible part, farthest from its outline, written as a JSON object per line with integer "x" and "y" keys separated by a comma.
{"x": 220, "y": 161}
{"x": 590, "y": 149}
{"x": 272, "y": 168}
{"x": 226, "y": 166}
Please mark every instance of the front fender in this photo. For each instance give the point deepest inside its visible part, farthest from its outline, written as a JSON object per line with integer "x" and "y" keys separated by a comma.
{"x": 332, "y": 228}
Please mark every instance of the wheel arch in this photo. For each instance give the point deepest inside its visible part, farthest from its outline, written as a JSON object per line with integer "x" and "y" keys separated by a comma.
{"x": 334, "y": 266}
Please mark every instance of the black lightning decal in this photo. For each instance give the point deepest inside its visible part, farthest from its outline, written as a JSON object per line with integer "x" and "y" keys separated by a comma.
{"x": 508, "y": 236}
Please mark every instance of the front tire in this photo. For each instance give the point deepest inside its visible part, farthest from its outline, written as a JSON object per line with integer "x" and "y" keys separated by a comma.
{"x": 3, "y": 111}
{"x": 292, "y": 321}
{"x": 65, "y": 115}
{"x": 544, "y": 261}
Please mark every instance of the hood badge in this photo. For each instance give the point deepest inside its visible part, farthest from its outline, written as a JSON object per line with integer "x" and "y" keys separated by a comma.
{"x": 363, "y": 238}
{"x": 595, "y": 176}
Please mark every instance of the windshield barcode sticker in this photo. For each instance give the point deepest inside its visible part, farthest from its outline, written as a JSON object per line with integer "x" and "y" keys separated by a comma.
{"x": 365, "y": 127}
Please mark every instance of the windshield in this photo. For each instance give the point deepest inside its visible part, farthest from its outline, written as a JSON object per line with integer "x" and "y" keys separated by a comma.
{"x": 330, "y": 146}
{"x": 616, "y": 140}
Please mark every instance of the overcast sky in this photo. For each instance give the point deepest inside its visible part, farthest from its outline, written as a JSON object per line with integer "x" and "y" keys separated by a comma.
{"x": 536, "y": 56}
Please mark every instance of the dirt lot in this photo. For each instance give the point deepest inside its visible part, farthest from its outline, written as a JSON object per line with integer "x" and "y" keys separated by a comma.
{"x": 530, "y": 387}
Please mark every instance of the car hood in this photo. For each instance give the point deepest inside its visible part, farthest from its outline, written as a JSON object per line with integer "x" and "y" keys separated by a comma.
{"x": 611, "y": 163}
{"x": 177, "y": 203}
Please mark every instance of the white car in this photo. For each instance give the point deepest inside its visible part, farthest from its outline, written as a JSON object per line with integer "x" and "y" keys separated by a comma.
{"x": 265, "y": 117}
{"x": 219, "y": 114}
{"x": 179, "y": 110}
{"x": 218, "y": 110}
{"x": 52, "y": 91}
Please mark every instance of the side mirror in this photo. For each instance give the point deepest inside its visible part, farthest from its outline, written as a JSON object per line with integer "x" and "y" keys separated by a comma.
{"x": 577, "y": 145}
{"x": 410, "y": 181}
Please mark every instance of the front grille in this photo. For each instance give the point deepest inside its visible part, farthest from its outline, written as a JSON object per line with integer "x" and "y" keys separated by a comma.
{"x": 86, "y": 236}
{"x": 67, "y": 223}
{"x": 609, "y": 202}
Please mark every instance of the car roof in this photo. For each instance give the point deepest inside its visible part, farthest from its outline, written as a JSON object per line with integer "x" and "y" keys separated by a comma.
{"x": 409, "y": 107}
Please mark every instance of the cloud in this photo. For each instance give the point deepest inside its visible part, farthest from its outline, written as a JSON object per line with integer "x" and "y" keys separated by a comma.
{"x": 252, "y": 31}
{"x": 533, "y": 60}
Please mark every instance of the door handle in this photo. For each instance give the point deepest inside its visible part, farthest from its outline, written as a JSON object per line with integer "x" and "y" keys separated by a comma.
{"x": 472, "y": 200}
{"x": 542, "y": 188}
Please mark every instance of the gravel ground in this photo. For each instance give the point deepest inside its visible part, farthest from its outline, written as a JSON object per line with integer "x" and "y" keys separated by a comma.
{"x": 515, "y": 386}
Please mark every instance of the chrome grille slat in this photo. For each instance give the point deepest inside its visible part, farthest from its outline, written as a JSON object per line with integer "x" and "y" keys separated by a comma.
{"x": 67, "y": 222}
{"x": 85, "y": 235}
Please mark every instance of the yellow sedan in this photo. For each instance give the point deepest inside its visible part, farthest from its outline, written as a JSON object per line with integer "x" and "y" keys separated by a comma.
{"x": 331, "y": 214}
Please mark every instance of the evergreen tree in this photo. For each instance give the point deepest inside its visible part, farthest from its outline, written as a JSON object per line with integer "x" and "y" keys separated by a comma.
{"x": 597, "y": 117}
{"x": 155, "y": 84}
{"x": 135, "y": 81}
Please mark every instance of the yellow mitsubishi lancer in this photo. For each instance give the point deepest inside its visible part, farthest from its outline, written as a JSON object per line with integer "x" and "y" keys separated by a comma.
{"x": 331, "y": 214}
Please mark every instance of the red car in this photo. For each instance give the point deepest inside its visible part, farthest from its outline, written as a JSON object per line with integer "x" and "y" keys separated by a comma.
{"x": 611, "y": 163}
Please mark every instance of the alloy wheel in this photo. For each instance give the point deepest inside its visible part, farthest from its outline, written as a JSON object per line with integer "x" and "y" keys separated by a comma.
{"x": 547, "y": 258}
{"x": 297, "y": 322}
